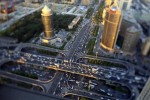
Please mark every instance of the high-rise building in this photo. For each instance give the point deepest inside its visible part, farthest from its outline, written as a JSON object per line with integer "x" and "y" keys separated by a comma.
{"x": 131, "y": 39}
{"x": 146, "y": 47}
{"x": 125, "y": 4}
{"x": 128, "y": 20}
{"x": 111, "y": 27}
{"x": 46, "y": 19}
{"x": 145, "y": 94}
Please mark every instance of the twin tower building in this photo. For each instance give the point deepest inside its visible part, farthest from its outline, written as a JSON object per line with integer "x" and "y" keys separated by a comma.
{"x": 112, "y": 23}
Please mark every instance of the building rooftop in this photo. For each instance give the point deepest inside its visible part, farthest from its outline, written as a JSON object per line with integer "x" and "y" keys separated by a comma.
{"x": 134, "y": 29}
{"x": 114, "y": 8}
{"x": 46, "y": 11}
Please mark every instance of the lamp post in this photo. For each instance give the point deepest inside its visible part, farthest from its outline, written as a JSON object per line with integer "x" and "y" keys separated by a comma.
{"x": 96, "y": 54}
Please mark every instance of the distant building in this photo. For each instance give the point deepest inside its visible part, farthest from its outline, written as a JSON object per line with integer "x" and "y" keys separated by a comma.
{"x": 46, "y": 19}
{"x": 86, "y": 2}
{"x": 69, "y": 1}
{"x": 146, "y": 47}
{"x": 125, "y": 4}
{"x": 111, "y": 27}
{"x": 131, "y": 39}
{"x": 145, "y": 94}
{"x": 32, "y": 3}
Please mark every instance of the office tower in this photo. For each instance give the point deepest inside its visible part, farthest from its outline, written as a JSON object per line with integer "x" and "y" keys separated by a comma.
{"x": 145, "y": 94}
{"x": 111, "y": 27}
{"x": 125, "y": 4}
{"x": 146, "y": 47}
{"x": 131, "y": 39}
{"x": 46, "y": 19}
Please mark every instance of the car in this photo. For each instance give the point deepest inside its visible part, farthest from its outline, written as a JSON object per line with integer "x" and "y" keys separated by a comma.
{"x": 137, "y": 78}
{"x": 107, "y": 76}
{"x": 109, "y": 94}
{"x": 41, "y": 75}
{"x": 123, "y": 73}
{"x": 102, "y": 90}
{"x": 113, "y": 68}
{"x": 133, "y": 94}
{"x": 118, "y": 78}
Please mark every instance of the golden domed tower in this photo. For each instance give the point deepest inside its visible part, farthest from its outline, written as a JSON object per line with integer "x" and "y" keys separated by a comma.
{"x": 46, "y": 19}
{"x": 111, "y": 27}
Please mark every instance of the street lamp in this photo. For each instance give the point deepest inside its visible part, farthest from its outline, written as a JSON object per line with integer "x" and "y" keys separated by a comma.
{"x": 96, "y": 54}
